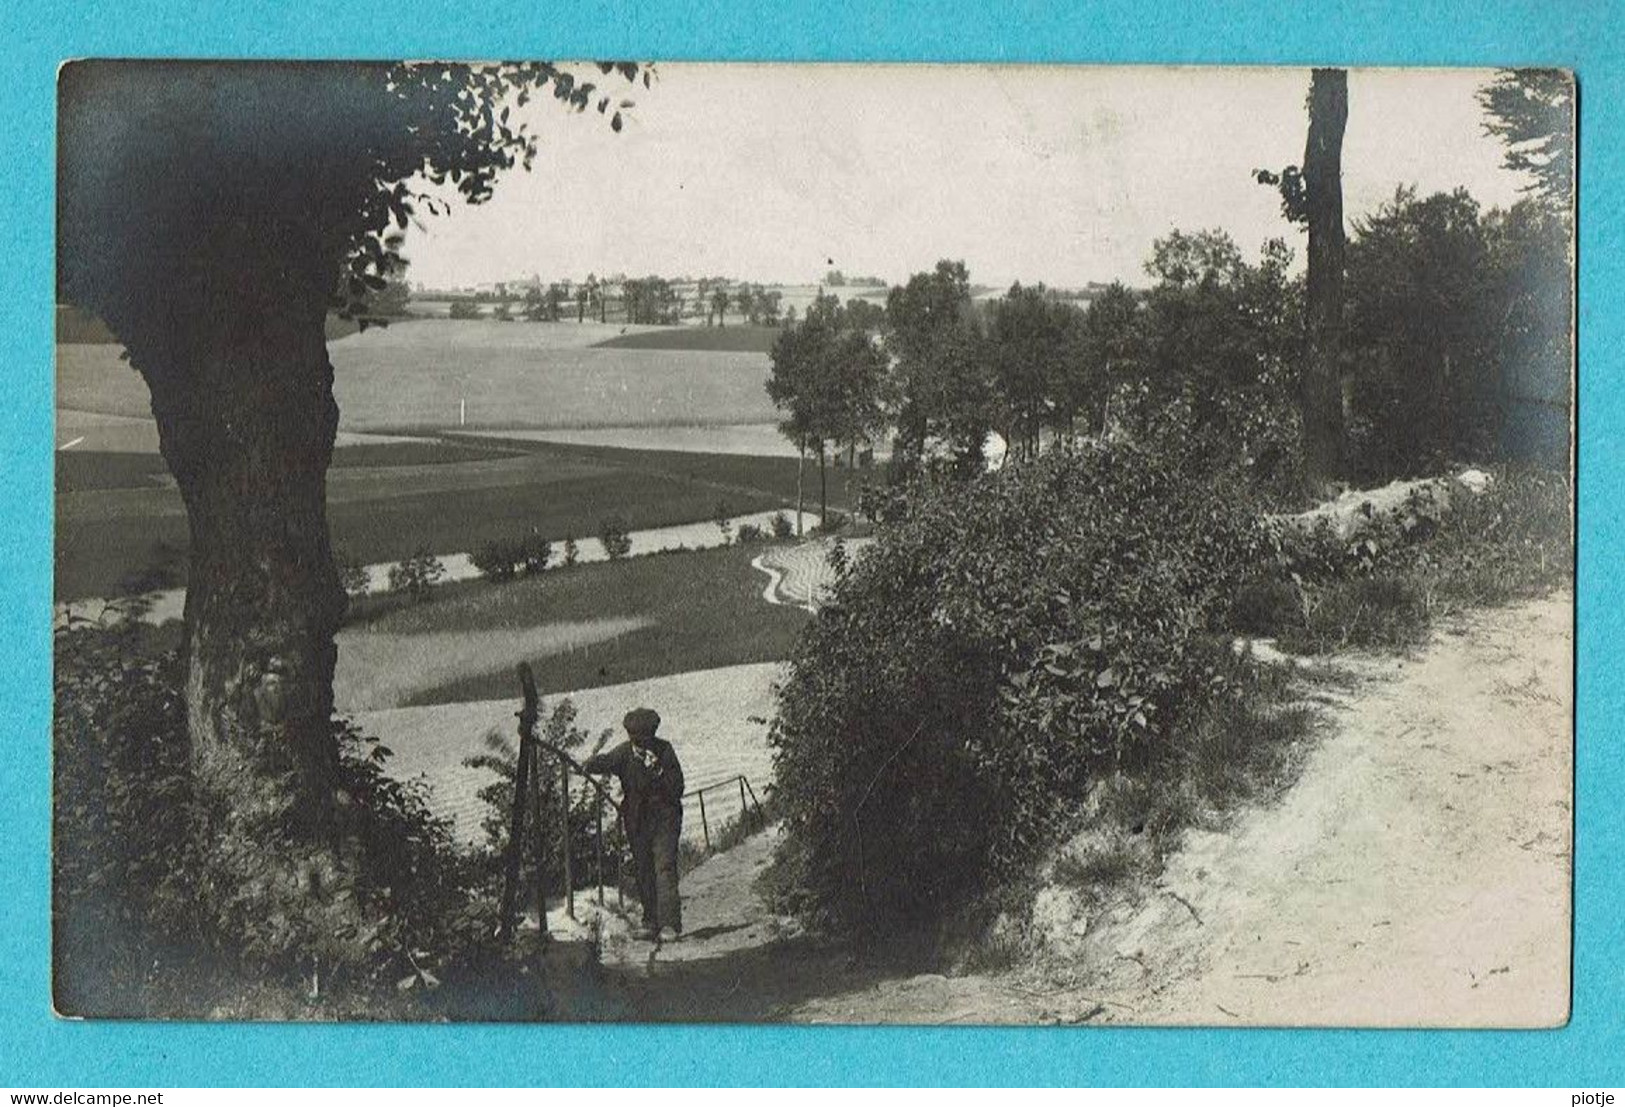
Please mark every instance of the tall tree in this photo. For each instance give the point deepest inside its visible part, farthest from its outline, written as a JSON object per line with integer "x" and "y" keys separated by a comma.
{"x": 941, "y": 384}
{"x": 1532, "y": 111}
{"x": 828, "y": 379}
{"x": 1313, "y": 196}
{"x": 719, "y": 303}
{"x": 212, "y": 214}
{"x": 1321, "y": 380}
{"x": 1109, "y": 331}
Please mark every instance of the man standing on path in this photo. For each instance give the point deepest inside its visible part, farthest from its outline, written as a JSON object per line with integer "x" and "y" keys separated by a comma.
{"x": 652, "y": 812}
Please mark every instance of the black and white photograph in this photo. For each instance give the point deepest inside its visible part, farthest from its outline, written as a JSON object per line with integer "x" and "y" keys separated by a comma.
{"x": 611, "y": 541}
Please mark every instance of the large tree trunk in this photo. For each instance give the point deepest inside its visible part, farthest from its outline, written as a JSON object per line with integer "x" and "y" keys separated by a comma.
{"x": 1321, "y": 399}
{"x": 246, "y": 421}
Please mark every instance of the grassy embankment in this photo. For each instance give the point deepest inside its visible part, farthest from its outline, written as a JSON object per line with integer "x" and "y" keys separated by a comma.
{"x": 704, "y": 609}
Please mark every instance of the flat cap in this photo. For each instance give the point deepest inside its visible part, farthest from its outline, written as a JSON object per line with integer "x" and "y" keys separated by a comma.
{"x": 642, "y": 722}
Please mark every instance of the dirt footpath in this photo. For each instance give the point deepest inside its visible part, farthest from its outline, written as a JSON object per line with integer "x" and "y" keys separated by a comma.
{"x": 1416, "y": 875}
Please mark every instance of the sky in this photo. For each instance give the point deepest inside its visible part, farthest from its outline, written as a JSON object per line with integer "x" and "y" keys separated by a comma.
{"x": 1064, "y": 175}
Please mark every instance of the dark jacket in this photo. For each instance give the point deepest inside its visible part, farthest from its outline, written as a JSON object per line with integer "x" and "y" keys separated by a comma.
{"x": 650, "y": 777}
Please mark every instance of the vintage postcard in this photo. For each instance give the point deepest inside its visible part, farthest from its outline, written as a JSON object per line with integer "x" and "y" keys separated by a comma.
{"x": 816, "y": 543}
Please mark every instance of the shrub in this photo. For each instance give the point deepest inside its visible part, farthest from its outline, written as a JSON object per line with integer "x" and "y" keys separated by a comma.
{"x": 831, "y": 523}
{"x": 542, "y": 855}
{"x": 353, "y": 576}
{"x": 497, "y": 560}
{"x": 534, "y": 553}
{"x": 572, "y": 552}
{"x": 750, "y": 534}
{"x": 723, "y": 517}
{"x": 616, "y": 535}
{"x": 782, "y": 526}
{"x": 465, "y": 309}
{"x": 1003, "y": 642}
{"x": 153, "y": 915}
{"x": 417, "y": 575}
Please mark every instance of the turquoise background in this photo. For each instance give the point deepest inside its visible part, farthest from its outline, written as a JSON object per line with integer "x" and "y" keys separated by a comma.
{"x": 38, "y": 1050}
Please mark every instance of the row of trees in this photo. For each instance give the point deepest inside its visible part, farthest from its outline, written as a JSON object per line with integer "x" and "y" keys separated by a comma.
{"x": 652, "y": 299}
{"x": 1457, "y": 321}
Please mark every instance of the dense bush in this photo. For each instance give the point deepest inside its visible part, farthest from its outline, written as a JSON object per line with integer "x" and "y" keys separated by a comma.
{"x": 782, "y": 526}
{"x": 153, "y": 913}
{"x": 535, "y": 552}
{"x": 616, "y": 535}
{"x": 417, "y": 575}
{"x": 998, "y": 646}
{"x": 496, "y": 560}
{"x": 504, "y": 559}
{"x": 750, "y": 534}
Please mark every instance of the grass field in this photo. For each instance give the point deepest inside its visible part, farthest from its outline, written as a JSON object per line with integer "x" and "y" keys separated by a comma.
{"x": 382, "y": 513}
{"x": 415, "y": 374}
{"x": 743, "y": 337}
{"x": 692, "y": 610}
{"x": 80, "y": 471}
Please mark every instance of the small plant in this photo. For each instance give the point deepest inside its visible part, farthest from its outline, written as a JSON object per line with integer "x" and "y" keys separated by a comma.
{"x": 417, "y": 575}
{"x": 572, "y": 553}
{"x": 353, "y": 577}
{"x": 723, "y": 517}
{"x": 534, "y": 553}
{"x": 616, "y": 536}
{"x": 782, "y": 526}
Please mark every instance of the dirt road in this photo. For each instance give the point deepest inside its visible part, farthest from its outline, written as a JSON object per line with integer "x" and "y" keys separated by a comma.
{"x": 1416, "y": 875}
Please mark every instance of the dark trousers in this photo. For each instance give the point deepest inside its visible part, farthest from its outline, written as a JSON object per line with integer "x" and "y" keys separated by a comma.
{"x": 654, "y": 856}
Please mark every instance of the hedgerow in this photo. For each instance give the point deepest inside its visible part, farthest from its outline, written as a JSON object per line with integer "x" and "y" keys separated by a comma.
{"x": 1004, "y": 642}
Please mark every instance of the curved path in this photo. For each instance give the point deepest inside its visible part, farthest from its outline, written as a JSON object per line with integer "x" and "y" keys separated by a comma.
{"x": 801, "y": 575}
{"x": 1417, "y": 874}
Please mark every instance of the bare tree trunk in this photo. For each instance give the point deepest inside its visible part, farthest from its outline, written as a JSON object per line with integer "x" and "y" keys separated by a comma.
{"x": 1321, "y": 397}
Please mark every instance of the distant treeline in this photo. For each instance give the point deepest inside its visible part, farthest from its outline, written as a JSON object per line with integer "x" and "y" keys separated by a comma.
{"x": 1457, "y": 345}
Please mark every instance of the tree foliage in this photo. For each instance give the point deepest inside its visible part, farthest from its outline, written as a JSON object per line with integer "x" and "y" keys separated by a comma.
{"x": 829, "y": 379}
{"x": 1042, "y": 370}
{"x": 1532, "y": 111}
{"x": 1456, "y": 316}
{"x": 943, "y": 389}
{"x": 176, "y": 172}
